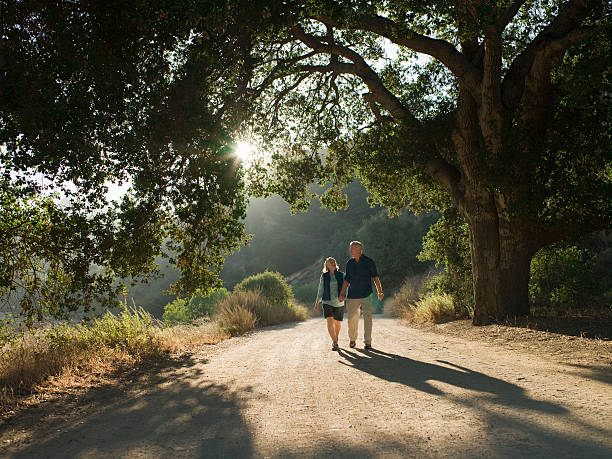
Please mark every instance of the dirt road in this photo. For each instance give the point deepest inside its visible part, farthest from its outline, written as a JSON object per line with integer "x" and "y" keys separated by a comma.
{"x": 281, "y": 392}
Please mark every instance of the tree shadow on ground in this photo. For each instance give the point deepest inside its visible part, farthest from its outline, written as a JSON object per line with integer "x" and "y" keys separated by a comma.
{"x": 598, "y": 326}
{"x": 175, "y": 417}
{"x": 601, "y": 373}
{"x": 506, "y": 407}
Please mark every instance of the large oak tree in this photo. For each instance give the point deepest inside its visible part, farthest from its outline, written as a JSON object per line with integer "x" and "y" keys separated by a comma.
{"x": 509, "y": 118}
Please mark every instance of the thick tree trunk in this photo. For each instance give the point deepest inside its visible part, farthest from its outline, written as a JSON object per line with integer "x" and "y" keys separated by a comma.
{"x": 500, "y": 266}
{"x": 501, "y": 249}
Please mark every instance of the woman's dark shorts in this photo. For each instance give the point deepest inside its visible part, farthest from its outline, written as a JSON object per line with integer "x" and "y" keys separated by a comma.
{"x": 332, "y": 311}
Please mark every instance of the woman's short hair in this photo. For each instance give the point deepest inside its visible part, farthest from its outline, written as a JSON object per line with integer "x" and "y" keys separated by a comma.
{"x": 325, "y": 263}
{"x": 356, "y": 243}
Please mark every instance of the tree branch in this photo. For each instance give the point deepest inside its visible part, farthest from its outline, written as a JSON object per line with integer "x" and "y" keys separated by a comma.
{"x": 440, "y": 170}
{"x": 491, "y": 120}
{"x": 282, "y": 65}
{"x": 360, "y": 68}
{"x": 399, "y": 34}
{"x": 369, "y": 99}
{"x": 537, "y": 83}
{"x": 509, "y": 13}
{"x": 569, "y": 18}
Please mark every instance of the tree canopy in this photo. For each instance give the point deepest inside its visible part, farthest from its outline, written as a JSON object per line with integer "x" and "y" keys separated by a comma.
{"x": 146, "y": 93}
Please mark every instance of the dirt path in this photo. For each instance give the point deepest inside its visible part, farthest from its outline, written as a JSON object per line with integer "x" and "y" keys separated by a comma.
{"x": 281, "y": 392}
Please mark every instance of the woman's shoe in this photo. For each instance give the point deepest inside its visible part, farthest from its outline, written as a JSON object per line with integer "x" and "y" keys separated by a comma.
{"x": 335, "y": 347}
{"x": 352, "y": 344}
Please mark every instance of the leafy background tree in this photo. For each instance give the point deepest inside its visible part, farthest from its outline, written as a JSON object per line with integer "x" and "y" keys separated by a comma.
{"x": 199, "y": 305}
{"x": 139, "y": 93}
{"x": 290, "y": 242}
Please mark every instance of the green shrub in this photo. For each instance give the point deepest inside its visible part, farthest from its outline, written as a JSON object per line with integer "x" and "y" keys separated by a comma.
{"x": 447, "y": 243}
{"x": 562, "y": 279}
{"x": 305, "y": 292}
{"x": 272, "y": 285}
{"x": 275, "y": 306}
{"x": 176, "y": 312}
{"x": 199, "y": 305}
{"x": 205, "y": 305}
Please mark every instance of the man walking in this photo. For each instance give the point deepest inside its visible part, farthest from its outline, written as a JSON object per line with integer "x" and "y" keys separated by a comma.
{"x": 360, "y": 271}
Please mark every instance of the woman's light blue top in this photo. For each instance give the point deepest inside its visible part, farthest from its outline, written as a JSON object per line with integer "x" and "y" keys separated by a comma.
{"x": 333, "y": 292}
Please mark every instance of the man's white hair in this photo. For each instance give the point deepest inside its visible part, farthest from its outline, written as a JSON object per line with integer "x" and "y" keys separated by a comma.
{"x": 356, "y": 243}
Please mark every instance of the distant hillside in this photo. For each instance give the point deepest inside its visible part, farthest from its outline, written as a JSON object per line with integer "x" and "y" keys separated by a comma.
{"x": 295, "y": 245}
{"x": 290, "y": 243}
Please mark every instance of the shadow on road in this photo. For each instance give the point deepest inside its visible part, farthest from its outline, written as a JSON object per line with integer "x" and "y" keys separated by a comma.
{"x": 598, "y": 325}
{"x": 176, "y": 417}
{"x": 539, "y": 425}
{"x": 602, "y": 373}
{"x": 416, "y": 374}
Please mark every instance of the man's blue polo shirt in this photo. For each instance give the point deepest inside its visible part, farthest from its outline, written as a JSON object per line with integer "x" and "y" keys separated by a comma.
{"x": 359, "y": 275}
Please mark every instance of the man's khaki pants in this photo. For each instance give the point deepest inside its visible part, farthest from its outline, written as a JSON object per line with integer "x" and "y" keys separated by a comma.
{"x": 352, "y": 313}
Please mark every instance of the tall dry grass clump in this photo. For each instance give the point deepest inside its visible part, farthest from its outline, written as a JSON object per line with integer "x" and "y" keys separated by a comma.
{"x": 183, "y": 337}
{"x": 405, "y": 298}
{"x": 68, "y": 355}
{"x": 414, "y": 303}
{"x": 245, "y": 309}
{"x": 436, "y": 308}
{"x": 235, "y": 315}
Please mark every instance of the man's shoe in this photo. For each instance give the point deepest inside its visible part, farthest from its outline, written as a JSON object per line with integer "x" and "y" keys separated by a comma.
{"x": 367, "y": 347}
{"x": 335, "y": 347}
{"x": 352, "y": 344}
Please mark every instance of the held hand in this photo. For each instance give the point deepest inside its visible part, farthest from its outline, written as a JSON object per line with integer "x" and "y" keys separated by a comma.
{"x": 341, "y": 298}
{"x": 381, "y": 295}
{"x": 316, "y": 308}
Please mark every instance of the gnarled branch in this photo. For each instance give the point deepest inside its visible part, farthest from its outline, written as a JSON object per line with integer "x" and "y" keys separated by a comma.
{"x": 569, "y": 18}
{"x": 438, "y": 168}
{"x": 399, "y": 34}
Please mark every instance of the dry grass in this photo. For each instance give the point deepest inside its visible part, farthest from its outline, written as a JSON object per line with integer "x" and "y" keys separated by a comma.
{"x": 65, "y": 357}
{"x": 243, "y": 310}
{"x": 410, "y": 304}
{"x": 436, "y": 308}
{"x": 235, "y": 314}
{"x": 408, "y": 294}
{"x": 183, "y": 337}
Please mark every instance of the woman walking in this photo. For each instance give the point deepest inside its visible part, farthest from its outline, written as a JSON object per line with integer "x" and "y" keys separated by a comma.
{"x": 328, "y": 292}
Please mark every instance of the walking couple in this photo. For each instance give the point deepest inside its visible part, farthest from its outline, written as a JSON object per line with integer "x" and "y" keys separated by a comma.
{"x": 353, "y": 287}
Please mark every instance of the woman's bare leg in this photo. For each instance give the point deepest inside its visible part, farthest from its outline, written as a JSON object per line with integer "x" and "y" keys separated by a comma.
{"x": 332, "y": 329}
{"x": 337, "y": 324}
